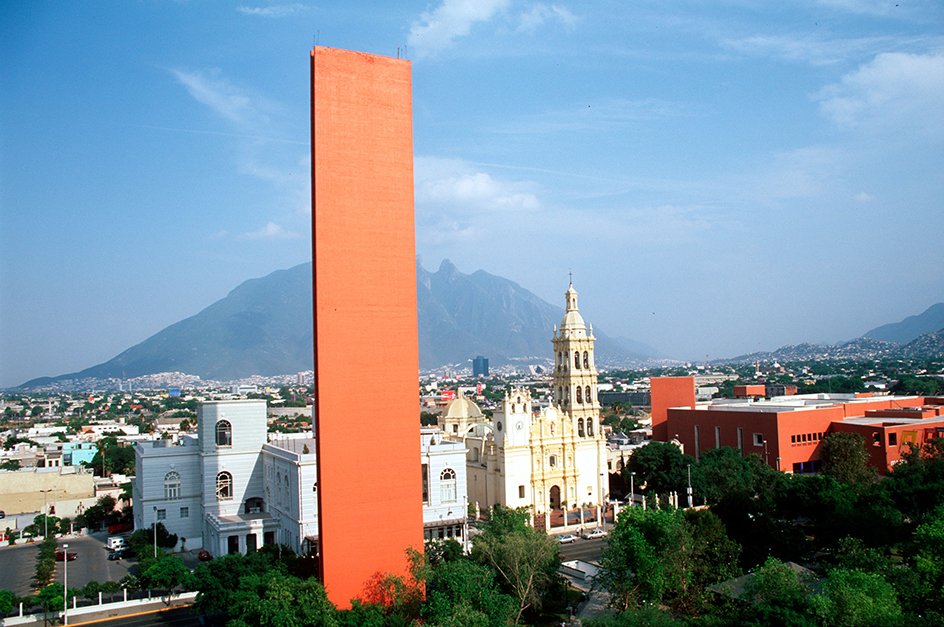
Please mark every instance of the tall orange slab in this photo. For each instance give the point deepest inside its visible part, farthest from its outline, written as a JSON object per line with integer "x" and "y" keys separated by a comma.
{"x": 365, "y": 332}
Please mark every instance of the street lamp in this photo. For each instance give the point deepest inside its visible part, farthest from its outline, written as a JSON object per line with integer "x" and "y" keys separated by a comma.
{"x": 632, "y": 489}
{"x": 45, "y": 513}
{"x": 65, "y": 585}
{"x": 689, "y": 485}
{"x": 155, "y": 532}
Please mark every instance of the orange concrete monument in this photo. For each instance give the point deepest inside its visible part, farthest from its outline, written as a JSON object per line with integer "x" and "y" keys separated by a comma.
{"x": 363, "y": 248}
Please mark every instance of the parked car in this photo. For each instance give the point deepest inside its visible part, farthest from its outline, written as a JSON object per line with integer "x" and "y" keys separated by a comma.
{"x": 3, "y": 514}
{"x": 567, "y": 538}
{"x": 593, "y": 533}
{"x": 120, "y": 554}
{"x": 119, "y": 528}
{"x": 116, "y": 542}
{"x": 61, "y": 556}
{"x": 204, "y": 556}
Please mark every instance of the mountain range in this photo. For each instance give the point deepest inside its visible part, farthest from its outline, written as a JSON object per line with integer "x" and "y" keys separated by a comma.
{"x": 264, "y": 327}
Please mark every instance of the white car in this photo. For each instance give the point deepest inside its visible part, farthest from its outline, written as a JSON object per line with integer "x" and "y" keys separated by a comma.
{"x": 593, "y": 533}
{"x": 567, "y": 538}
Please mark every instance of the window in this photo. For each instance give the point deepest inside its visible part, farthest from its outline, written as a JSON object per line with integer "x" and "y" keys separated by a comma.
{"x": 447, "y": 485}
{"x": 758, "y": 439}
{"x": 717, "y": 437}
{"x": 162, "y": 514}
{"x": 579, "y": 396}
{"x": 520, "y": 491}
{"x": 586, "y": 359}
{"x": 172, "y": 486}
{"x": 185, "y": 512}
{"x": 893, "y": 439}
{"x": 577, "y": 360}
{"x": 587, "y": 395}
{"x": 224, "y": 433}
{"x": 552, "y": 461}
{"x": 224, "y": 486}
{"x": 426, "y": 483}
{"x": 740, "y": 433}
{"x": 579, "y": 423}
{"x": 793, "y": 439}
{"x": 590, "y": 427}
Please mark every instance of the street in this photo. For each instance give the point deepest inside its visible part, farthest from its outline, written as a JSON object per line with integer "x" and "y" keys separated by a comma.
{"x": 584, "y": 550}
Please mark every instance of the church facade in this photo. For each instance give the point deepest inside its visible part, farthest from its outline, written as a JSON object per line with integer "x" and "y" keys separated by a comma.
{"x": 549, "y": 460}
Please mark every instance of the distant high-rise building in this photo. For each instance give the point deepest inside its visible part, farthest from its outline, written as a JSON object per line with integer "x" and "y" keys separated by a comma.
{"x": 364, "y": 263}
{"x": 480, "y": 367}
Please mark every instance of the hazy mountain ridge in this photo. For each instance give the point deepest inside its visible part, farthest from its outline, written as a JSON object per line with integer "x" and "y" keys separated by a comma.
{"x": 910, "y": 328}
{"x": 925, "y": 346}
{"x": 264, "y": 327}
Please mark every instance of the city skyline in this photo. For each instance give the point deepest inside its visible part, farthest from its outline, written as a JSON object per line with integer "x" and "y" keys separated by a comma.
{"x": 720, "y": 177}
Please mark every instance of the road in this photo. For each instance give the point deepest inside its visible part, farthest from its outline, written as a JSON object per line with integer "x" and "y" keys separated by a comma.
{"x": 174, "y": 617}
{"x": 585, "y": 550}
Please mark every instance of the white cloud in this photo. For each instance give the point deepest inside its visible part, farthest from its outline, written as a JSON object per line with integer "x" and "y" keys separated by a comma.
{"x": 274, "y": 10}
{"x": 271, "y": 231}
{"x": 453, "y": 18}
{"x": 541, "y": 13}
{"x": 811, "y": 49}
{"x": 454, "y": 186}
{"x": 864, "y": 197}
{"x": 235, "y": 104}
{"x": 894, "y": 91}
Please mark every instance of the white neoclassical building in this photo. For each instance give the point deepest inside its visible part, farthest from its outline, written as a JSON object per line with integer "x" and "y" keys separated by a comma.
{"x": 231, "y": 489}
{"x": 553, "y": 459}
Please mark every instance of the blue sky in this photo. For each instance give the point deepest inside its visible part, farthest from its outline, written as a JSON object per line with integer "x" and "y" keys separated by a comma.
{"x": 720, "y": 176}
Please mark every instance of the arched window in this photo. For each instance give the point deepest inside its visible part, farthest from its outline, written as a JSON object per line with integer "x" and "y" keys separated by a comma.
{"x": 590, "y": 427}
{"x": 552, "y": 461}
{"x": 589, "y": 396}
{"x": 580, "y": 426}
{"x": 586, "y": 359}
{"x": 447, "y": 485}
{"x": 224, "y": 433}
{"x": 579, "y": 394}
{"x": 560, "y": 393}
{"x": 577, "y": 360}
{"x": 172, "y": 486}
{"x": 224, "y": 486}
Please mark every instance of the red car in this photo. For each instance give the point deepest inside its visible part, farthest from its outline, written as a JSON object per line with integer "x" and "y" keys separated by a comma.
{"x": 204, "y": 556}
{"x": 61, "y": 556}
{"x": 119, "y": 528}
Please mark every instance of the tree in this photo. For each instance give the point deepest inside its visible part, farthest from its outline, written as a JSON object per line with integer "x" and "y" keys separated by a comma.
{"x": 10, "y": 464}
{"x": 853, "y": 598}
{"x": 659, "y": 466}
{"x": 647, "y": 558}
{"x": 463, "y": 593}
{"x": 7, "y": 601}
{"x": 525, "y": 559}
{"x": 168, "y": 574}
{"x": 846, "y": 459}
{"x": 281, "y": 601}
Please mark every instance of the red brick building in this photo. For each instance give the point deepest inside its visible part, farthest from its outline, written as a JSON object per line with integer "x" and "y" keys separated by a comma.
{"x": 787, "y": 432}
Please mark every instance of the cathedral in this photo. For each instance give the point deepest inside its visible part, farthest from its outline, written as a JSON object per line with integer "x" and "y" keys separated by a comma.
{"x": 550, "y": 460}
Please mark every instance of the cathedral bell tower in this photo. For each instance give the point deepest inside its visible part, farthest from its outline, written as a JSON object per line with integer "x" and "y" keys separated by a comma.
{"x": 575, "y": 373}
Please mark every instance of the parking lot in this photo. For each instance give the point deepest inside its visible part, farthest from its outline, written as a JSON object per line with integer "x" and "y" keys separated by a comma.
{"x": 18, "y": 573}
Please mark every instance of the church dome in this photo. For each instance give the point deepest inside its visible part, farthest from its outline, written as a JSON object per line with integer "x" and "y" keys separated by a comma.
{"x": 462, "y": 408}
{"x": 572, "y": 320}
